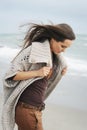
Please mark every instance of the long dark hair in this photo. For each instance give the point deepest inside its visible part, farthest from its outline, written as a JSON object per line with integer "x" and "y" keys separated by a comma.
{"x": 41, "y": 32}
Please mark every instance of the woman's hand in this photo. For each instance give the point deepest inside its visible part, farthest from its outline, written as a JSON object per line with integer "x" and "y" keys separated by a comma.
{"x": 64, "y": 71}
{"x": 44, "y": 71}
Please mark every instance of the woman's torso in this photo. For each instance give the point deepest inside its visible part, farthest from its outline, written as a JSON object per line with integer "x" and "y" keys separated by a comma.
{"x": 34, "y": 94}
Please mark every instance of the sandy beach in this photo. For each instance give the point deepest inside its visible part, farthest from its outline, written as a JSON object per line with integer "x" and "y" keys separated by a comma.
{"x": 64, "y": 118}
{"x": 61, "y": 118}
{"x": 66, "y": 107}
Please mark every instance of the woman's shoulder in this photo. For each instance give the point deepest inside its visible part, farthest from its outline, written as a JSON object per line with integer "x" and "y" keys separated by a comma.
{"x": 22, "y": 53}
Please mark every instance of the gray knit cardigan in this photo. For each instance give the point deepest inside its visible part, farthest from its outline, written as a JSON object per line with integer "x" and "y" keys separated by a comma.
{"x": 30, "y": 58}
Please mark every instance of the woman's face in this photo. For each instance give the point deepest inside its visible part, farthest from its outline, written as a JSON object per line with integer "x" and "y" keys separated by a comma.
{"x": 58, "y": 47}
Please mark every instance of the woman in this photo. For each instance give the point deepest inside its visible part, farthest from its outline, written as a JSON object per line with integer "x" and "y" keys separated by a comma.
{"x": 33, "y": 75}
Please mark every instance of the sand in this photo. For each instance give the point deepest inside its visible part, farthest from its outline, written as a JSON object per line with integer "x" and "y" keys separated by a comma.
{"x": 61, "y": 118}
{"x": 64, "y": 118}
{"x": 70, "y": 109}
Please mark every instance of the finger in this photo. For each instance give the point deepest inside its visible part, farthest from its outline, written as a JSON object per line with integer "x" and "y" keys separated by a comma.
{"x": 47, "y": 68}
{"x": 63, "y": 72}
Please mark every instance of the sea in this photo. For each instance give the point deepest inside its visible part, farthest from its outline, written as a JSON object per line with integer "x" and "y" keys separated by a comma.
{"x": 72, "y": 89}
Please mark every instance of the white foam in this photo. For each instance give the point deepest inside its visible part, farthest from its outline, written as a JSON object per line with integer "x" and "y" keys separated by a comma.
{"x": 8, "y": 53}
{"x": 85, "y": 44}
{"x": 76, "y": 66}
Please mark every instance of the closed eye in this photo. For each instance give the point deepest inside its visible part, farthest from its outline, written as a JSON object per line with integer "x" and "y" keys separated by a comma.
{"x": 63, "y": 46}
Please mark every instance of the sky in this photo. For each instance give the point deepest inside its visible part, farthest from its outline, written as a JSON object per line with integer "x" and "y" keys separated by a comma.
{"x": 14, "y": 13}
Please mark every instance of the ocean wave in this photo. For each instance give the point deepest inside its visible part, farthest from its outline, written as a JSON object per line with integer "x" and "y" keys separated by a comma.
{"x": 74, "y": 65}
{"x": 7, "y": 53}
{"x": 85, "y": 44}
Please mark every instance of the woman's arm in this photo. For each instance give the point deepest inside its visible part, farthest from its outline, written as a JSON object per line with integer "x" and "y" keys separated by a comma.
{"x": 23, "y": 75}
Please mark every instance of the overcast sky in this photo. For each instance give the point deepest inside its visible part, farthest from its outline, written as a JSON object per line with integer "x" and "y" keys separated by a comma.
{"x": 13, "y": 13}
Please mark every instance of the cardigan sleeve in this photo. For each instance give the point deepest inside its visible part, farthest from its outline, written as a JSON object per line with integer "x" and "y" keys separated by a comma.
{"x": 18, "y": 64}
{"x": 14, "y": 68}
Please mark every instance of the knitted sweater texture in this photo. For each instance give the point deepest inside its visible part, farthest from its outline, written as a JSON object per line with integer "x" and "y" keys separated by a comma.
{"x": 31, "y": 58}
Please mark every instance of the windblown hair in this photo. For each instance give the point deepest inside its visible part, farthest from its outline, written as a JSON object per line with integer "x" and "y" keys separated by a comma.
{"x": 40, "y": 32}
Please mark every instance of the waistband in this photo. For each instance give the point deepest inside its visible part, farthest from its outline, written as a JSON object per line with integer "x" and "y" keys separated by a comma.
{"x": 28, "y": 106}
